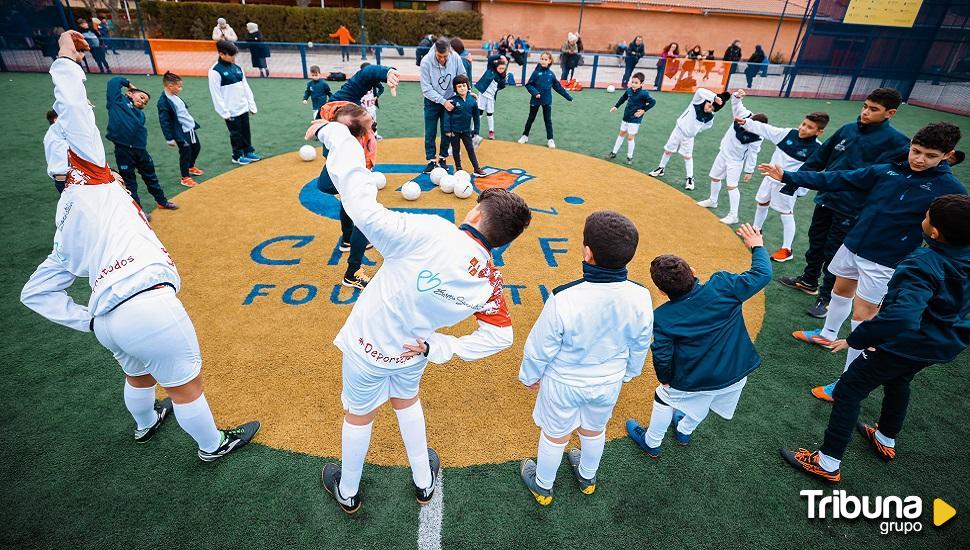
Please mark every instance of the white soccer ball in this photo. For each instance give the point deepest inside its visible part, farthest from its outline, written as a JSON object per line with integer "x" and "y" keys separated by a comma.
{"x": 380, "y": 180}
{"x": 463, "y": 175}
{"x": 411, "y": 191}
{"x": 611, "y": 88}
{"x": 308, "y": 152}
{"x": 463, "y": 189}
{"x": 436, "y": 175}
{"x": 309, "y": 44}
{"x": 448, "y": 183}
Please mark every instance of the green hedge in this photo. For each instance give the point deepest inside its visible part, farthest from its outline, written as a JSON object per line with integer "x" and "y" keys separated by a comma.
{"x": 295, "y": 24}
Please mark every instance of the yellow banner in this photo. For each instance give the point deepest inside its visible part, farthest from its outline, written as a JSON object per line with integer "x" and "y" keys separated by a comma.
{"x": 889, "y": 13}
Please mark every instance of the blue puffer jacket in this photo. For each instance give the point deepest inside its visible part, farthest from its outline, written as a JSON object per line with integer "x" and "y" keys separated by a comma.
{"x": 888, "y": 228}
{"x": 464, "y": 117}
{"x": 855, "y": 145}
{"x": 491, "y": 75}
{"x": 318, "y": 92}
{"x": 700, "y": 341}
{"x": 126, "y": 123}
{"x": 543, "y": 81}
{"x": 357, "y": 87}
{"x": 639, "y": 99}
{"x": 926, "y": 313}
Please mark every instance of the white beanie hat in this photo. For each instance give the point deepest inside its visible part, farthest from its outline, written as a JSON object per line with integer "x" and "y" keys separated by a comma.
{"x": 572, "y": 37}
{"x": 252, "y": 27}
{"x": 221, "y": 21}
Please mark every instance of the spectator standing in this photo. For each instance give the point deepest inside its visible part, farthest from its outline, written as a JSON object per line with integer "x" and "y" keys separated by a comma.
{"x": 667, "y": 62}
{"x": 754, "y": 64}
{"x": 631, "y": 57}
{"x": 222, "y": 31}
{"x": 104, "y": 28}
{"x": 98, "y": 51}
{"x": 257, "y": 48}
{"x": 570, "y": 56}
{"x": 733, "y": 54}
{"x": 343, "y": 36}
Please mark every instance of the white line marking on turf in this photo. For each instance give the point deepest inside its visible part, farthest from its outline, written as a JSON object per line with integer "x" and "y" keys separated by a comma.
{"x": 429, "y": 520}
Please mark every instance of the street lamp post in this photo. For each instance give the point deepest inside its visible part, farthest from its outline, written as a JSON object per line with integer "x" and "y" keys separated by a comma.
{"x": 582, "y": 4}
{"x": 363, "y": 34}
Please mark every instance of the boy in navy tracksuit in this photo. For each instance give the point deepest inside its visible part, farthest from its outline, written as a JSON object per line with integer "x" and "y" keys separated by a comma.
{"x": 126, "y": 129}
{"x": 317, "y": 91}
{"x": 463, "y": 123}
{"x": 364, "y": 81}
{"x": 701, "y": 349}
{"x": 886, "y": 231}
{"x": 924, "y": 320}
{"x": 540, "y": 85}
{"x": 638, "y": 102}
{"x": 488, "y": 86}
{"x": 179, "y": 127}
{"x": 870, "y": 140}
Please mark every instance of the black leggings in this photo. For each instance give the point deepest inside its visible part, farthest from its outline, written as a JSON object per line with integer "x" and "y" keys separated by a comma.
{"x": 457, "y": 138}
{"x": 546, "y": 117}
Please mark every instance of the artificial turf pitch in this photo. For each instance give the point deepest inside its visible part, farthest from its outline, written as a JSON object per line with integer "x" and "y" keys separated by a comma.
{"x": 72, "y": 477}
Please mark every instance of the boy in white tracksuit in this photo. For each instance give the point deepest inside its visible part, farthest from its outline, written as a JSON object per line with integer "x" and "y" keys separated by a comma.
{"x": 697, "y": 117}
{"x": 592, "y": 336}
{"x": 738, "y": 153}
{"x": 102, "y": 234}
{"x": 434, "y": 275}
{"x": 793, "y": 146}
{"x": 233, "y": 100}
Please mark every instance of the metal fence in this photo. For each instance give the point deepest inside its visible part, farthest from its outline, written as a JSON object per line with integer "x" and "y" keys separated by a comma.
{"x": 293, "y": 60}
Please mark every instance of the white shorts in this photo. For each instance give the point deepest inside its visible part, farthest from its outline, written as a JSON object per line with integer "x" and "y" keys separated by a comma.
{"x": 872, "y": 278}
{"x": 770, "y": 192}
{"x": 679, "y": 143}
{"x": 696, "y": 404}
{"x": 486, "y": 103}
{"x": 366, "y": 388}
{"x": 372, "y": 110}
{"x": 728, "y": 171}
{"x": 152, "y": 334}
{"x": 630, "y": 127}
{"x": 561, "y": 408}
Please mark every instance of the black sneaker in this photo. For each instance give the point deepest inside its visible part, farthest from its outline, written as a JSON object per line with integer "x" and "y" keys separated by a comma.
{"x": 344, "y": 246}
{"x": 330, "y": 479}
{"x": 424, "y": 496}
{"x": 479, "y": 173}
{"x": 163, "y": 408}
{"x": 610, "y": 156}
{"x": 359, "y": 280}
{"x": 798, "y": 284}
{"x": 232, "y": 439}
{"x": 819, "y": 310}
{"x": 431, "y": 166}
{"x": 443, "y": 163}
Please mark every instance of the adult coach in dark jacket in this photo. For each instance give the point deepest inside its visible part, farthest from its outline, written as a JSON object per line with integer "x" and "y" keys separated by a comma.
{"x": 871, "y": 139}
{"x": 127, "y": 131}
{"x": 631, "y": 57}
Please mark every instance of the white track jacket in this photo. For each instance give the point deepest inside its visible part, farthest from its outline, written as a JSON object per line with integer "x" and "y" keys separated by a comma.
{"x": 434, "y": 275}
{"x": 55, "y": 150}
{"x": 731, "y": 148}
{"x": 100, "y": 232}
{"x": 590, "y": 333}
{"x": 688, "y": 122}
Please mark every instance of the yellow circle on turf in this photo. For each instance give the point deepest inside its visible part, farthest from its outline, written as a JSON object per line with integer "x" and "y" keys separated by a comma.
{"x": 258, "y": 283}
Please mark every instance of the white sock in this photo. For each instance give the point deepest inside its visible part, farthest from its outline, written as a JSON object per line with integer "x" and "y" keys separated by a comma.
{"x": 659, "y": 421}
{"x": 592, "y": 453}
{"x": 354, "y": 441}
{"x": 828, "y": 463}
{"x": 840, "y": 308}
{"x": 491, "y": 123}
{"x": 689, "y": 166}
{"x": 617, "y": 144}
{"x": 547, "y": 461}
{"x": 664, "y": 159}
{"x": 887, "y": 441}
{"x": 788, "y": 230}
{"x": 196, "y": 419}
{"x": 630, "y": 146}
{"x": 141, "y": 404}
{"x": 760, "y": 215}
{"x": 715, "y": 191}
{"x": 734, "y": 196}
{"x": 687, "y": 425}
{"x": 411, "y": 423}
{"x": 852, "y": 354}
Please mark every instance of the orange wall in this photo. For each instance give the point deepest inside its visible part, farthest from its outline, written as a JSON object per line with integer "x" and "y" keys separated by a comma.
{"x": 546, "y": 26}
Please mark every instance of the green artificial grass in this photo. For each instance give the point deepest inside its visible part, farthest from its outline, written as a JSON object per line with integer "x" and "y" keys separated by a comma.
{"x": 72, "y": 477}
